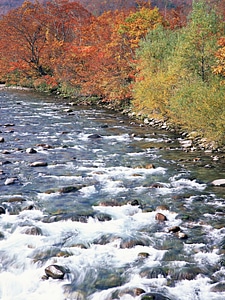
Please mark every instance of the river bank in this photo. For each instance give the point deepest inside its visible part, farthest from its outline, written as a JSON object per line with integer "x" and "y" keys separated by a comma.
{"x": 190, "y": 141}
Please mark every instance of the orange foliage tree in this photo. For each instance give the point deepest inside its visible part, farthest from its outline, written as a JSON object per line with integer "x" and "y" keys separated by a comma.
{"x": 220, "y": 55}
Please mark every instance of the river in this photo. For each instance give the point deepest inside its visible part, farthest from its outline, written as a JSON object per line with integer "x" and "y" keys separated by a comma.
{"x": 114, "y": 209}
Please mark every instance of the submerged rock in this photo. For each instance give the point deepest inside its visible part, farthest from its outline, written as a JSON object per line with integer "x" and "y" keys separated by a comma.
{"x": 34, "y": 230}
{"x": 94, "y": 136}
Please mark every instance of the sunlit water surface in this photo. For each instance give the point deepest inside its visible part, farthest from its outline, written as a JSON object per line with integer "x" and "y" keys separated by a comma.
{"x": 102, "y": 246}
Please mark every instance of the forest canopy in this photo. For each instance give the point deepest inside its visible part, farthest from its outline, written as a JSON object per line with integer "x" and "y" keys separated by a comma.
{"x": 165, "y": 63}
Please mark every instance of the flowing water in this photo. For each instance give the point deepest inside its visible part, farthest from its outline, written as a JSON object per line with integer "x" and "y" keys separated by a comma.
{"x": 91, "y": 207}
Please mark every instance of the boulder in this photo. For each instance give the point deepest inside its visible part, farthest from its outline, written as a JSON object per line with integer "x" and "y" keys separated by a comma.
{"x": 55, "y": 271}
{"x": 218, "y": 182}
{"x": 160, "y": 217}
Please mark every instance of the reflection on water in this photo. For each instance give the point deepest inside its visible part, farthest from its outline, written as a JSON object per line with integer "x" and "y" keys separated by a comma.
{"x": 119, "y": 208}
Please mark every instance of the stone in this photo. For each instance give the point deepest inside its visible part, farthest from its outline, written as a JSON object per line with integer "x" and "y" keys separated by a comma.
{"x": 45, "y": 146}
{"x": 34, "y": 230}
{"x": 2, "y": 139}
{"x": 134, "y": 203}
{"x": 218, "y": 182}
{"x": 218, "y": 288}
{"x": 154, "y": 296}
{"x": 2, "y": 210}
{"x": 10, "y": 181}
{"x": 181, "y": 235}
{"x": 94, "y": 136}
{"x": 16, "y": 199}
{"x": 39, "y": 164}
{"x": 156, "y": 185}
{"x": 162, "y": 207}
{"x": 160, "y": 217}
{"x": 31, "y": 150}
{"x": 55, "y": 271}
{"x": 174, "y": 229}
{"x": 143, "y": 255}
{"x": 139, "y": 291}
{"x": 5, "y": 152}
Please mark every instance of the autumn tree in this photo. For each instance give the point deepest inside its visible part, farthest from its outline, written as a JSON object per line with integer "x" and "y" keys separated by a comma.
{"x": 219, "y": 67}
{"x": 23, "y": 39}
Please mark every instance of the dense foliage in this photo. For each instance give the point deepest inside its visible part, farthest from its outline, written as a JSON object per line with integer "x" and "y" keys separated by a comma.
{"x": 163, "y": 63}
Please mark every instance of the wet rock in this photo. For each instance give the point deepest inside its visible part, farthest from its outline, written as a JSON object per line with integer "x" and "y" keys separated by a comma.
{"x": 65, "y": 189}
{"x": 16, "y": 199}
{"x": 1, "y": 236}
{"x": 39, "y": 164}
{"x": 107, "y": 279}
{"x": 134, "y": 203}
{"x": 185, "y": 273}
{"x": 94, "y": 136}
{"x": 102, "y": 217}
{"x": 218, "y": 182}
{"x": 181, "y": 235}
{"x": 70, "y": 293}
{"x": 218, "y": 288}
{"x": 127, "y": 243}
{"x": 69, "y": 189}
{"x": 156, "y": 185}
{"x": 10, "y": 181}
{"x": 105, "y": 239}
{"x": 9, "y": 125}
{"x": 154, "y": 296}
{"x": 148, "y": 166}
{"x": 56, "y": 271}
{"x": 6, "y": 152}
{"x": 2, "y": 140}
{"x": 138, "y": 291}
{"x": 174, "y": 229}
{"x": 143, "y": 255}
{"x": 31, "y": 150}
{"x": 80, "y": 246}
{"x": 34, "y": 230}
{"x": 154, "y": 272}
{"x": 162, "y": 207}
{"x": 44, "y": 146}
{"x": 2, "y": 210}
{"x": 44, "y": 254}
{"x": 109, "y": 203}
{"x": 5, "y": 162}
{"x": 160, "y": 217}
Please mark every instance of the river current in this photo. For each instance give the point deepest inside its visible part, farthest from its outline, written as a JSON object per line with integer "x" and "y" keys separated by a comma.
{"x": 120, "y": 209}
